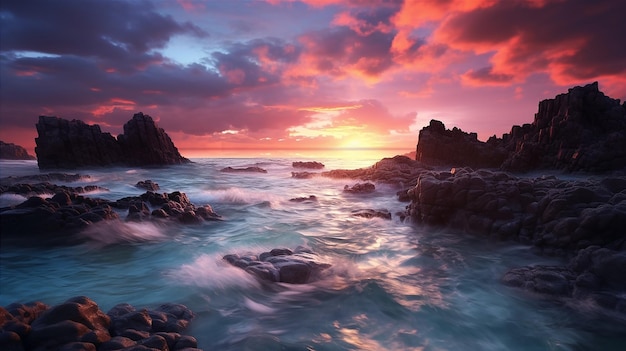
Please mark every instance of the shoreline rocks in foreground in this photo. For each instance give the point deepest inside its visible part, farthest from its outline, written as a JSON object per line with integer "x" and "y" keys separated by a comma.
{"x": 580, "y": 219}
{"x": 75, "y": 144}
{"x": 79, "y": 324}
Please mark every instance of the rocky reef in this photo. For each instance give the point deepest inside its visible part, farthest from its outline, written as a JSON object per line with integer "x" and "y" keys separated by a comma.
{"x": 59, "y": 218}
{"x": 74, "y": 144}
{"x": 581, "y": 130}
{"x": 80, "y": 324}
{"x": 10, "y": 151}
{"x": 583, "y": 219}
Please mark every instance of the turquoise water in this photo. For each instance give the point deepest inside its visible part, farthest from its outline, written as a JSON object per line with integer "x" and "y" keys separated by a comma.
{"x": 392, "y": 285}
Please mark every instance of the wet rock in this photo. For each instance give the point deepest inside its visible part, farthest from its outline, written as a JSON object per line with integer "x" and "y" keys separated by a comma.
{"x": 398, "y": 170}
{"x": 281, "y": 265}
{"x": 360, "y": 188}
{"x": 53, "y": 220}
{"x": 303, "y": 175}
{"x": 307, "y": 164}
{"x": 594, "y": 274}
{"x": 310, "y": 198}
{"x": 551, "y": 214}
{"x": 251, "y": 169}
{"x": 147, "y": 185}
{"x": 45, "y": 188}
{"x": 370, "y": 213}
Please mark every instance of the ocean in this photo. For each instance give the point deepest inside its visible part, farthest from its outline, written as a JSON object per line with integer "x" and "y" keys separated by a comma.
{"x": 392, "y": 285}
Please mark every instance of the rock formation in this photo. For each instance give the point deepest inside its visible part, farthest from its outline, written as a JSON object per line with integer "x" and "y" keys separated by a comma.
{"x": 439, "y": 146}
{"x": 307, "y": 164}
{"x": 74, "y": 144}
{"x": 580, "y": 218}
{"x": 79, "y": 324}
{"x": 10, "y": 151}
{"x": 283, "y": 265}
{"x": 581, "y": 130}
{"x": 58, "y": 220}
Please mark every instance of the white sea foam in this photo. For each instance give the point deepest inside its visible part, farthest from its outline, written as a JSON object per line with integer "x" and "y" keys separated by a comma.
{"x": 117, "y": 232}
{"x": 238, "y": 196}
{"x": 210, "y": 271}
{"x": 11, "y": 200}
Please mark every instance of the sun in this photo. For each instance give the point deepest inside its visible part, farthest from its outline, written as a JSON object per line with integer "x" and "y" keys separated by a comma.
{"x": 354, "y": 143}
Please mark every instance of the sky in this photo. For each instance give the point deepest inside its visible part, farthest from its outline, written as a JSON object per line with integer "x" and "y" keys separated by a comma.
{"x": 310, "y": 74}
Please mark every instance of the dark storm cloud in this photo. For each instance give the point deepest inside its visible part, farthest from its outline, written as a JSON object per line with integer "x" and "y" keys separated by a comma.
{"x": 335, "y": 51}
{"x": 115, "y": 32}
{"x": 575, "y": 39}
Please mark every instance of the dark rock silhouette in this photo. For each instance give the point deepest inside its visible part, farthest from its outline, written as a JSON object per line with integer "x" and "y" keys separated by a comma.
{"x": 581, "y": 130}
{"x": 10, "y": 151}
{"x": 75, "y": 144}
{"x": 439, "y": 146}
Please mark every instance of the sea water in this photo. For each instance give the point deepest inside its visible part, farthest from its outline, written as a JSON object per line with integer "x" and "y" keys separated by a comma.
{"x": 392, "y": 285}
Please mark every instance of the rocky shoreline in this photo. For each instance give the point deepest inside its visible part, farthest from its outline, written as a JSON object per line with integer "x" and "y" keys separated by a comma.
{"x": 78, "y": 324}
{"x": 580, "y": 216}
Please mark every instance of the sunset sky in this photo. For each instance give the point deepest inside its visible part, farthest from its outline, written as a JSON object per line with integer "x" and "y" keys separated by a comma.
{"x": 301, "y": 74}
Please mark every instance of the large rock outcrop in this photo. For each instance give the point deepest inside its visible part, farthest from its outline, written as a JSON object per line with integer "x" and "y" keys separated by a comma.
{"x": 10, "y": 151}
{"x": 75, "y": 144}
{"x": 440, "y": 146}
{"x": 581, "y": 130}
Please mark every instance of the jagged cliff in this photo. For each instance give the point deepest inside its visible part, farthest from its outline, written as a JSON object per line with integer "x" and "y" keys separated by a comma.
{"x": 75, "y": 144}
{"x": 10, "y": 151}
{"x": 581, "y": 130}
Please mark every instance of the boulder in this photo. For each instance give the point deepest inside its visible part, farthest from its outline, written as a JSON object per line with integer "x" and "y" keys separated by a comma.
{"x": 10, "y": 151}
{"x": 75, "y": 144}
{"x": 147, "y": 185}
{"x": 307, "y": 164}
{"x": 360, "y": 188}
{"x": 299, "y": 266}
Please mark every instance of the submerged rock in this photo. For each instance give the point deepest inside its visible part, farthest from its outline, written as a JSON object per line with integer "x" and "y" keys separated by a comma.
{"x": 281, "y": 265}
{"x": 594, "y": 274}
{"x": 370, "y": 213}
{"x": 310, "y": 198}
{"x": 303, "y": 175}
{"x": 307, "y": 164}
{"x": 252, "y": 169}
